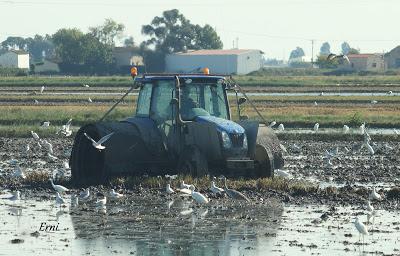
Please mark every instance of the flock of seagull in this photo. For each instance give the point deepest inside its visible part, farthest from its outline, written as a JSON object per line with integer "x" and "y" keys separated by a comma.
{"x": 44, "y": 87}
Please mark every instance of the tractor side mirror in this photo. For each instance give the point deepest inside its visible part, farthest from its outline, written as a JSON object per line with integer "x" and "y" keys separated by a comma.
{"x": 242, "y": 100}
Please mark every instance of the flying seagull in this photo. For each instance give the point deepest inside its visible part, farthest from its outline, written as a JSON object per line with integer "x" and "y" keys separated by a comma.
{"x": 101, "y": 141}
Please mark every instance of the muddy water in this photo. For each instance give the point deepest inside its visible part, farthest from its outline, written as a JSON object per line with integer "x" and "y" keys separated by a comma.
{"x": 156, "y": 226}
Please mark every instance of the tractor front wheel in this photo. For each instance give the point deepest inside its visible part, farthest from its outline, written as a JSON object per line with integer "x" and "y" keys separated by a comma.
{"x": 192, "y": 162}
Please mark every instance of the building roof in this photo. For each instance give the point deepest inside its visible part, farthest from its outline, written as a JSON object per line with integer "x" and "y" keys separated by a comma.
{"x": 19, "y": 52}
{"x": 363, "y": 55}
{"x": 216, "y": 52}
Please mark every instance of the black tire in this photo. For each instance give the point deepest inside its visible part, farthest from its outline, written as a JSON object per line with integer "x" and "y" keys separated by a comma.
{"x": 87, "y": 163}
{"x": 264, "y": 161}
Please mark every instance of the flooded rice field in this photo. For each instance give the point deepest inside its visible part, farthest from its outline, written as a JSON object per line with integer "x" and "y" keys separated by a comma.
{"x": 147, "y": 221}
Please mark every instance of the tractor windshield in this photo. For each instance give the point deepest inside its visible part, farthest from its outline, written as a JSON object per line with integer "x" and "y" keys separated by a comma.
{"x": 203, "y": 99}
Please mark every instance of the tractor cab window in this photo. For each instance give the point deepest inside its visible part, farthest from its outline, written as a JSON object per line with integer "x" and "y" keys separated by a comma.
{"x": 161, "y": 108}
{"x": 143, "y": 105}
{"x": 199, "y": 99}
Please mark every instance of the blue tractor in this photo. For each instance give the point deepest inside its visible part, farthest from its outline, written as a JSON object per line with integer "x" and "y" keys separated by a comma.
{"x": 183, "y": 124}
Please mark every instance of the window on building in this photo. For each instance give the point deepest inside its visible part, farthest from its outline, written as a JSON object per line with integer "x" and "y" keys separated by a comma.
{"x": 374, "y": 65}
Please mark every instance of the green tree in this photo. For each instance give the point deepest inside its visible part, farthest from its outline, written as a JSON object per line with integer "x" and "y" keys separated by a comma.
{"x": 129, "y": 42}
{"x": 345, "y": 48}
{"x": 68, "y": 46}
{"x": 13, "y": 42}
{"x": 296, "y": 53}
{"x": 172, "y": 32}
{"x": 40, "y": 47}
{"x": 108, "y": 32}
{"x": 325, "y": 49}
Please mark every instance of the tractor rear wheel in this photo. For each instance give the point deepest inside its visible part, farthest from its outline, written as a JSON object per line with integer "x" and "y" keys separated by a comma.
{"x": 264, "y": 159}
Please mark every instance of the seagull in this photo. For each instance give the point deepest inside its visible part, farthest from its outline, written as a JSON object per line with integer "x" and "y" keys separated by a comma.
{"x": 346, "y": 129}
{"x": 18, "y": 173}
{"x": 370, "y": 208}
{"x": 198, "y": 197}
{"x": 233, "y": 193}
{"x": 370, "y": 149}
{"x": 45, "y": 124}
{"x": 183, "y": 185}
{"x": 215, "y": 189}
{"x": 86, "y": 85}
{"x": 281, "y": 173}
{"x": 281, "y": 127}
{"x": 66, "y": 165}
{"x": 115, "y": 195}
{"x": 362, "y": 128}
{"x": 65, "y": 129}
{"x": 48, "y": 146}
{"x": 396, "y": 132}
{"x": 171, "y": 177}
{"x": 362, "y": 229}
{"x": 90, "y": 100}
{"x": 321, "y": 94}
{"x": 74, "y": 201}
{"x": 101, "y": 141}
{"x": 84, "y": 195}
{"x": 34, "y": 135}
{"x": 374, "y": 195}
{"x": 374, "y": 101}
{"x": 169, "y": 190}
{"x": 316, "y": 126}
{"x": 15, "y": 196}
{"x": 315, "y": 103}
{"x": 59, "y": 199}
{"x": 58, "y": 188}
{"x": 42, "y": 89}
{"x": 272, "y": 124}
{"x": 102, "y": 201}
{"x": 36, "y": 102}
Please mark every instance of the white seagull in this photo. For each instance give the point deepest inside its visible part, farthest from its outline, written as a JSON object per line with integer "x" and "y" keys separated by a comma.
{"x": 86, "y": 85}
{"x": 183, "y": 185}
{"x": 316, "y": 126}
{"x": 362, "y": 229}
{"x": 115, "y": 195}
{"x": 346, "y": 128}
{"x": 101, "y": 202}
{"x": 215, "y": 189}
{"x": 101, "y": 141}
{"x": 198, "y": 197}
{"x": 90, "y": 100}
{"x": 281, "y": 127}
{"x": 374, "y": 195}
{"x": 369, "y": 207}
{"x": 84, "y": 195}
{"x": 272, "y": 124}
{"x": 281, "y": 173}
{"x": 46, "y": 124}
{"x": 42, "y": 89}
{"x": 169, "y": 190}
{"x": 60, "y": 189}
{"x": 15, "y": 196}
{"x": 18, "y": 173}
{"x": 35, "y": 135}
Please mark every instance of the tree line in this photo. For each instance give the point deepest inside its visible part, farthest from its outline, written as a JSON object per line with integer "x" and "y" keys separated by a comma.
{"x": 91, "y": 52}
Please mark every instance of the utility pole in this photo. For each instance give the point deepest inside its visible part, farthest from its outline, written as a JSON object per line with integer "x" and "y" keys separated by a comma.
{"x": 312, "y": 53}
{"x": 237, "y": 42}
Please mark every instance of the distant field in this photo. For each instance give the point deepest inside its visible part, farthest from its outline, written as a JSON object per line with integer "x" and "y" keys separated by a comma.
{"x": 271, "y": 81}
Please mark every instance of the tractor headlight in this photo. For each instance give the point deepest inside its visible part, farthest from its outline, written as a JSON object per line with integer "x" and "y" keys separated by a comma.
{"x": 245, "y": 141}
{"x": 226, "y": 141}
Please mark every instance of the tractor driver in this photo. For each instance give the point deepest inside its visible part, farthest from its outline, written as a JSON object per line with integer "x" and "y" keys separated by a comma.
{"x": 190, "y": 108}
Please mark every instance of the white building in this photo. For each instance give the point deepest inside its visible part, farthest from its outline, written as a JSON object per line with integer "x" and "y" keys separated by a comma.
{"x": 15, "y": 59}
{"x": 234, "y": 61}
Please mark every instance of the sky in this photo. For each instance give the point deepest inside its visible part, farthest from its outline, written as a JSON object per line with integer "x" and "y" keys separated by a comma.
{"x": 274, "y": 26}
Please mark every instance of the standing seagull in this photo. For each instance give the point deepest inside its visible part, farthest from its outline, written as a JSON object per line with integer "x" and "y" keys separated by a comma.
{"x": 362, "y": 229}
{"x": 346, "y": 129}
{"x": 374, "y": 195}
{"x": 233, "y": 193}
{"x": 60, "y": 189}
{"x": 168, "y": 189}
{"x": 272, "y": 124}
{"x": 84, "y": 195}
{"x": 101, "y": 141}
{"x": 198, "y": 197}
{"x": 115, "y": 195}
{"x": 15, "y": 196}
{"x": 281, "y": 127}
{"x": 41, "y": 89}
{"x": 215, "y": 189}
{"x": 316, "y": 126}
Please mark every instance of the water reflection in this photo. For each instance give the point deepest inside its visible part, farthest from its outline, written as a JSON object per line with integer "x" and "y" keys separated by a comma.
{"x": 157, "y": 227}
